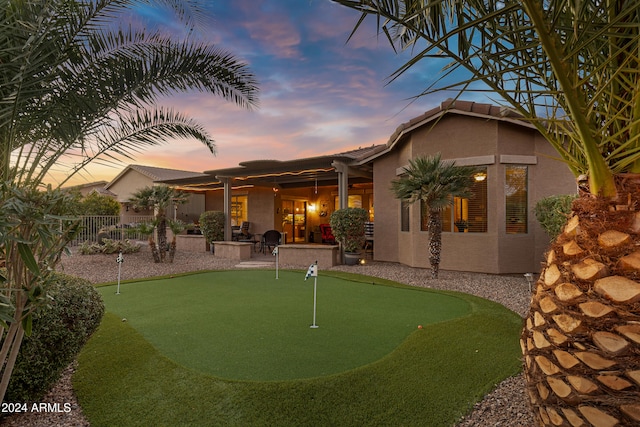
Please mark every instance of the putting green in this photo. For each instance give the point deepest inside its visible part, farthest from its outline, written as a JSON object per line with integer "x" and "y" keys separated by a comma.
{"x": 246, "y": 325}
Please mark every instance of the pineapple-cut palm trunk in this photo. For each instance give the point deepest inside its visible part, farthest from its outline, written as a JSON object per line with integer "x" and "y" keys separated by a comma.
{"x": 581, "y": 339}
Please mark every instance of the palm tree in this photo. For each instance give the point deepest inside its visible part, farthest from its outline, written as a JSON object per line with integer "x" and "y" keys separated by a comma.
{"x": 573, "y": 70}
{"x": 434, "y": 182}
{"x": 157, "y": 198}
{"x": 79, "y": 84}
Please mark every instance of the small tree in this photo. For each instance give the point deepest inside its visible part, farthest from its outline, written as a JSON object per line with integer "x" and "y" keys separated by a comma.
{"x": 98, "y": 204}
{"x": 212, "y": 225}
{"x": 158, "y": 198}
{"x": 552, "y": 213}
{"x": 347, "y": 225}
{"x": 434, "y": 182}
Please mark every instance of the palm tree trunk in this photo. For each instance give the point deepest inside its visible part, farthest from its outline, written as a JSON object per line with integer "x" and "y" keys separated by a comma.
{"x": 581, "y": 339}
{"x": 154, "y": 250}
{"x": 172, "y": 250}
{"x": 435, "y": 241}
{"x": 162, "y": 237}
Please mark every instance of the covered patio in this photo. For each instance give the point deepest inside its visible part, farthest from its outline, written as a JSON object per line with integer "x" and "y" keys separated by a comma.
{"x": 293, "y": 197}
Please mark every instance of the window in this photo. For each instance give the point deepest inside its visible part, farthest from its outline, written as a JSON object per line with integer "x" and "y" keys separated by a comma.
{"x": 515, "y": 190}
{"x": 238, "y": 209}
{"x": 354, "y": 201}
{"x": 404, "y": 215}
{"x": 464, "y": 215}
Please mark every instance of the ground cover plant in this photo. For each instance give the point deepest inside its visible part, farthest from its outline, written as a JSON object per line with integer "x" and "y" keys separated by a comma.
{"x": 399, "y": 374}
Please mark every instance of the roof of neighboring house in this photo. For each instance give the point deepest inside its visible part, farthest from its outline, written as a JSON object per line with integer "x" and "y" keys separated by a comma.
{"x": 156, "y": 174}
{"x": 283, "y": 172}
{"x": 96, "y": 186}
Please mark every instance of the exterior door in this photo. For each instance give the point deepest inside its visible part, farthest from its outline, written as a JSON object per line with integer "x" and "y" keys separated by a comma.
{"x": 294, "y": 220}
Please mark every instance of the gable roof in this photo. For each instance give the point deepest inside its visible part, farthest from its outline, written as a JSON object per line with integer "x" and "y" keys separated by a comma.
{"x": 450, "y": 106}
{"x": 156, "y": 174}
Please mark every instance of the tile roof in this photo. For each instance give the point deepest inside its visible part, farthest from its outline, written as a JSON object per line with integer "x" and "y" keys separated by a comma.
{"x": 457, "y": 106}
{"x": 157, "y": 174}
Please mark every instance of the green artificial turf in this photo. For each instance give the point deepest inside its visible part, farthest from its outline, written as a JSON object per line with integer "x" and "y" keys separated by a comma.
{"x": 430, "y": 376}
{"x": 247, "y": 325}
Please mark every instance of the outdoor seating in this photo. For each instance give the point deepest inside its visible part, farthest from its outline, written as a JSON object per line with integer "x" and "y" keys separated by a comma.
{"x": 241, "y": 233}
{"x": 368, "y": 235}
{"x": 327, "y": 235}
{"x": 270, "y": 239}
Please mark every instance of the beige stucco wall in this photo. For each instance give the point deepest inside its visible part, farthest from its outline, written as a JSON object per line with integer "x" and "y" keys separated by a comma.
{"x": 497, "y": 144}
{"x": 129, "y": 183}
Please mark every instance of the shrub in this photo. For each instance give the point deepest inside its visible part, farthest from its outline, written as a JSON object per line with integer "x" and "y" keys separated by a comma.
{"x": 212, "y": 225}
{"x": 108, "y": 246}
{"x": 60, "y": 329}
{"x": 347, "y": 225}
{"x": 552, "y": 213}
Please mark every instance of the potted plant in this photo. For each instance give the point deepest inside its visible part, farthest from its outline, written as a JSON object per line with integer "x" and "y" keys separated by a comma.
{"x": 212, "y": 226}
{"x": 347, "y": 225}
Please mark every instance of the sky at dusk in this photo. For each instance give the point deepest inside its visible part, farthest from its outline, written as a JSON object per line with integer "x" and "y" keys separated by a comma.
{"x": 319, "y": 94}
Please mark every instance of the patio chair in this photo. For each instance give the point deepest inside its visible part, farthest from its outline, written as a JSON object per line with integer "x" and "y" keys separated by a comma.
{"x": 270, "y": 239}
{"x": 327, "y": 235}
{"x": 242, "y": 233}
{"x": 368, "y": 235}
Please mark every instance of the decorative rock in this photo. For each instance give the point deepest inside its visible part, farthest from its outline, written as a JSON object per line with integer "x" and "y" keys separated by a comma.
{"x": 618, "y": 289}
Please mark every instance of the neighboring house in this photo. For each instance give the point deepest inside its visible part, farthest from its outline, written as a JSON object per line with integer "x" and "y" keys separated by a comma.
{"x": 495, "y": 231}
{"x": 91, "y": 187}
{"x": 135, "y": 177}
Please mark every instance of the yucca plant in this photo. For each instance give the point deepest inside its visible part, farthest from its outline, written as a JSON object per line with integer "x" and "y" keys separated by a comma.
{"x": 572, "y": 69}
{"x": 79, "y": 84}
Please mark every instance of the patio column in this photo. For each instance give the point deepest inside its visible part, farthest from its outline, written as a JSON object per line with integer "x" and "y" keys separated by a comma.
{"x": 343, "y": 183}
{"x": 226, "y": 181}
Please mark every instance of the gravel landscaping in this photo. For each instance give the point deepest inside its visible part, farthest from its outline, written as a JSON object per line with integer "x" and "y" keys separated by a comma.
{"x": 505, "y": 405}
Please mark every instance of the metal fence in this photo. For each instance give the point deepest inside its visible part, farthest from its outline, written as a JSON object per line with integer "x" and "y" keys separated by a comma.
{"x": 116, "y": 227}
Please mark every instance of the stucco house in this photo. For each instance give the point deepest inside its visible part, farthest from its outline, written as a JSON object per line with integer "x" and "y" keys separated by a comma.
{"x": 135, "y": 177}
{"x": 494, "y": 231}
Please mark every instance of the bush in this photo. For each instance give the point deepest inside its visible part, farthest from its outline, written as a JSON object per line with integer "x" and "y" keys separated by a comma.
{"x": 212, "y": 225}
{"x": 109, "y": 246}
{"x": 347, "y": 225}
{"x": 60, "y": 329}
{"x": 552, "y": 213}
